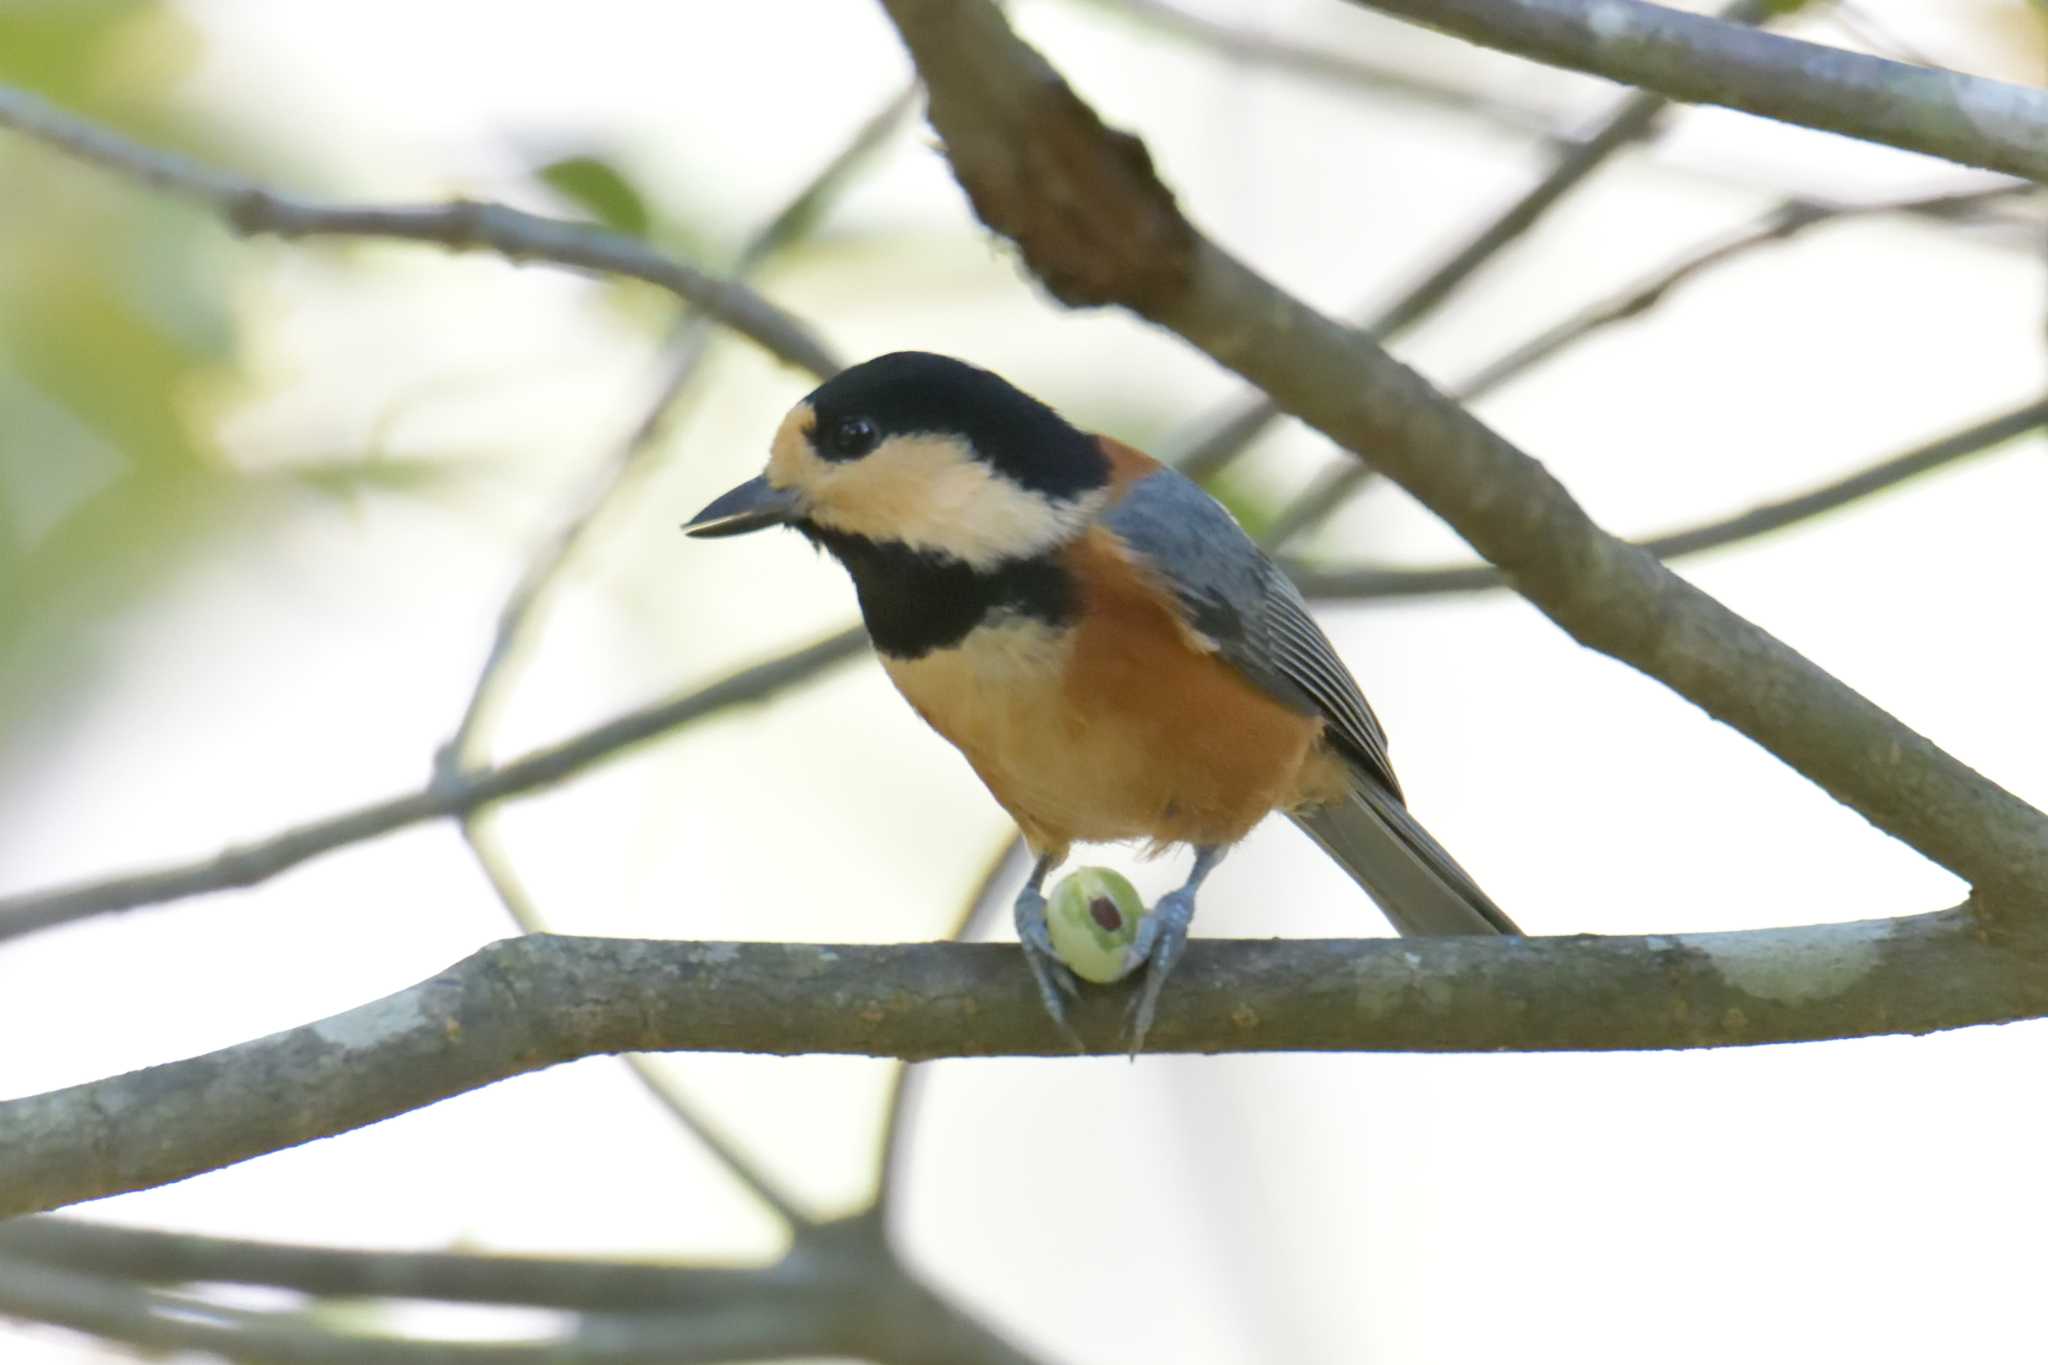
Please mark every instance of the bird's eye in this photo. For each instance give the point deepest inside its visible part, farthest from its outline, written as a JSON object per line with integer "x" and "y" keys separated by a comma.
{"x": 849, "y": 438}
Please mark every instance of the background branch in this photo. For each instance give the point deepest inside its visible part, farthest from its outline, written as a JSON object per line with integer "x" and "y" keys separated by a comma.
{"x": 1783, "y": 223}
{"x": 252, "y": 863}
{"x": 573, "y": 1283}
{"x": 252, "y": 207}
{"x": 119, "y": 1310}
{"x": 1238, "y": 43}
{"x": 1979, "y": 439}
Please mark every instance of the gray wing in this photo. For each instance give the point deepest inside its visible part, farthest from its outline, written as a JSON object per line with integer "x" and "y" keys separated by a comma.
{"x": 1239, "y": 598}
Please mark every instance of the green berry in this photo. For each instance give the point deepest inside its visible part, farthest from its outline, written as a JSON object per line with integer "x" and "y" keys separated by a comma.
{"x": 1093, "y": 916}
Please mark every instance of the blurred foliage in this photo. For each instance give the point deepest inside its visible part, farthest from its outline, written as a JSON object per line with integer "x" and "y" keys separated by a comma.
{"x": 117, "y": 341}
{"x": 112, "y": 305}
{"x": 600, "y": 189}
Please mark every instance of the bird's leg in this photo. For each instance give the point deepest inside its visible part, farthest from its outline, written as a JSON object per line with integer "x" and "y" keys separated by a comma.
{"x": 1053, "y": 977}
{"x": 1160, "y": 937}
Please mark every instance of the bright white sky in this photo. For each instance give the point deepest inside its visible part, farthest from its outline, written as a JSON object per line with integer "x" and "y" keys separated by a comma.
{"x": 1848, "y": 1201}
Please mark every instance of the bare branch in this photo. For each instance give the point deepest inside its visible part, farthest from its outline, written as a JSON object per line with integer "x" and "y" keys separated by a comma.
{"x": 742, "y": 1167}
{"x": 522, "y": 606}
{"x": 572, "y": 1283}
{"x": 1783, "y": 223}
{"x": 1223, "y": 437}
{"x": 840, "y": 1292}
{"x": 1966, "y": 119}
{"x": 1241, "y": 44}
{"x": 1772, "y": 516}
{"x": 1025, "y": 148}
{"x": 744, "y": 1330}
{"x": 1009, "y": 858}
{"x": 253, "y": 208}
{"x": 528, "y": 1003}
{"x": 519, "y": 617}
{"x": 252, "y": 863}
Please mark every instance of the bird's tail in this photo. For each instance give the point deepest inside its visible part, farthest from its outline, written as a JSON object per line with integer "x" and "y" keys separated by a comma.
{"x": 1417, "y": 884}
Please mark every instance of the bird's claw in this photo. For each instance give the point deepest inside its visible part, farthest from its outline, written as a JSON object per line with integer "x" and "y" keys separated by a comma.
{"x": 1056, "y": 982}
{"x": 1159, "y": 941}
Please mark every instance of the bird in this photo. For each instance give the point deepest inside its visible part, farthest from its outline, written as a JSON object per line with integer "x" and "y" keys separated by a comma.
{"x": 1114, "y": 656}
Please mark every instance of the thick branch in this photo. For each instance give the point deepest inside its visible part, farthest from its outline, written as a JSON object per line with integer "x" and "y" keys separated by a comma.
{"x": 528, "y": 1003}
{"x": 1966, "y": 119}
{"x": 1000, "y": 108}
{"x": 251, "y": 207}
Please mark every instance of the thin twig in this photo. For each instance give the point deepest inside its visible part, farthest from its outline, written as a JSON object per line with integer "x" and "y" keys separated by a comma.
{"x": 1979, "y": 439}
{"x": 1239, "y": 43}
{"x": 1222, "y": 438}
{"x": 741, "y": 1166}
{"x": 899, "y": 1109}
{"x": 254, "y": 208}
{"x": 448, "y": 796}
{"x": 519, "y": 617}
{"x": 686, "y": 354}
{"x": 1344, "y": 477}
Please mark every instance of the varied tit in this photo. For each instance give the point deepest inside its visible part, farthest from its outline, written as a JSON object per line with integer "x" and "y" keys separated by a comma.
{"x": 1112, "y": 654}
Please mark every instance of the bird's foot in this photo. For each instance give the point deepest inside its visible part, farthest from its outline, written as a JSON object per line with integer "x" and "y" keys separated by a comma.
{"x": 1160, "y": 938}
{"x": 1056, "y": 983}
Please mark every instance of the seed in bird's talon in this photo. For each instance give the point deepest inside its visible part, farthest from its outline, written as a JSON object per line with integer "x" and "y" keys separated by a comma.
{"x": 1093, "y": 918}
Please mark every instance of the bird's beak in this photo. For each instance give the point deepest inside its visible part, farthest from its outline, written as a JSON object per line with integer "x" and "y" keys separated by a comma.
{"x": 753, "y": 506}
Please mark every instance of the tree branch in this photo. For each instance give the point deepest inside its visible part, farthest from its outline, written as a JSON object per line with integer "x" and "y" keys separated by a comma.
{"x": 1757, "y": 521}
{"x": 1221, "y": 438}
{"x": 253, "y": 208}
{"x": 1241, "y": 44}
{"x": 1781, "y": 224}
{"x": 528, "y": 1003}
{"x": 448, "y": 795}
{"x": 1027, "y": 150}
{"x": 577, "y": 1284}
{"x": 522, "y": 612}
{"x": 838, "y": 1292}
{"x": 743, "y": 1330}
{"x": 1965, "y": 119}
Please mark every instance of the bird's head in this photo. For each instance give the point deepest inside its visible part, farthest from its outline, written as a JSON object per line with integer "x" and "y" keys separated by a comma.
{"x": 925, "y": 452}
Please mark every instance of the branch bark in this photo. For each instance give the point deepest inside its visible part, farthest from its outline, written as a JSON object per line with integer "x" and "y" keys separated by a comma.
{"x": 1965, "y": 119}
{"x": 253, "y": 208}
{"x": 525, "y": 1004}
{"x": 1027, "y": 151}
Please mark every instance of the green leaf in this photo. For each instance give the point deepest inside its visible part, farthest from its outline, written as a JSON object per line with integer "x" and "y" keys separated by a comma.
{"x": 599, "y": 189}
